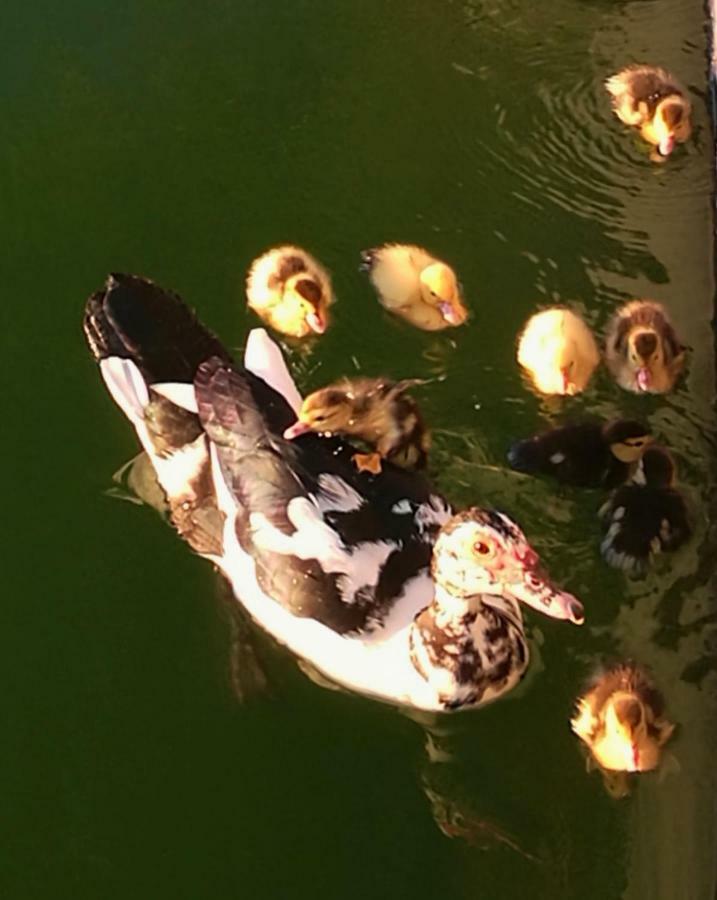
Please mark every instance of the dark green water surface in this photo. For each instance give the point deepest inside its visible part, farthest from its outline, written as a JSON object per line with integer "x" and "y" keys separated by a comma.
{"x": 154, "y": 747}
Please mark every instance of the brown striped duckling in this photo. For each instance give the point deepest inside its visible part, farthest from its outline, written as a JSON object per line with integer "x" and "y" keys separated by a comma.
{"x": 646, "y": 516}
{"x": 290, "y": 291}
{"x": 558, "y": 351}
{"x": 375, "y": 410}
{"x": 642, "y": 349}
{"x": 586, "y": 454}
{"x": 621, "y": 719}
{"x": 415, "y": 285}
{"x": 653, "y": 100}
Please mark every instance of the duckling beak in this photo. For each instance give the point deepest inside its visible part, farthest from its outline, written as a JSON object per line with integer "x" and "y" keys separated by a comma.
{"x": 449, "y": 312}
{"x": 643, "y": 378}
{"x": 666, "y": 145}
{"x": 316, "y": 322}
{"x": 296, "y": 429}
{"x": 568, "y": 386}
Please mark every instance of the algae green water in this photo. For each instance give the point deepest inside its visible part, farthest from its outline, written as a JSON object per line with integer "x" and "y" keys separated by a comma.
{"x": 152, "y": 744}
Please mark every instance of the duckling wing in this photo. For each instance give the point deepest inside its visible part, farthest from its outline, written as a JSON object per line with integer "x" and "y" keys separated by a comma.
{"x": 641, "y": 521}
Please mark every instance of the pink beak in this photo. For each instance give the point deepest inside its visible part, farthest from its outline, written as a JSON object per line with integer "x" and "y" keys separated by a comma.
{"x": 316, "y": 322}
{"x": 566, "y": 381}
{"x": 666, "y": 145}
{"x": 296, "y": 429}
{"x": 450, "y": 314}
{"x": 644, "y": 379}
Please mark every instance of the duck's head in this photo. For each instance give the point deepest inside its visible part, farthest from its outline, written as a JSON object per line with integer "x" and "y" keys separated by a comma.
{"x": 483, "y": 552}
{"x": 627, "y": 439}
{"x": 329, "y": 410}
{"x": 671, "y": 123}
{"x": 439, "y": 288}
{"x": 310, "y": 299}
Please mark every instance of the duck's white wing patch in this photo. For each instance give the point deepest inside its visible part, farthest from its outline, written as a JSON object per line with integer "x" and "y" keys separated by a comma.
{"x": 128, "y": 389}
{"x": 263, "y": 358}
{"x": 181, "y": 395}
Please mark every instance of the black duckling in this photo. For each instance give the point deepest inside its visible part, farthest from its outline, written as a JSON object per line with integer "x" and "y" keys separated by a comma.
{"x": 646, "y": 517}
{"x": 377, "y": 411}
{"x": 587, "y": 454}
{"x": 621, "y": 719}
{"x": 642, "y": 349}
{"x": 652, "y": 99}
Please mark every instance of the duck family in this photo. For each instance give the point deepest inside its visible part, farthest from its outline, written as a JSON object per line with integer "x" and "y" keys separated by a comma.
{"x": 345, "y": 552}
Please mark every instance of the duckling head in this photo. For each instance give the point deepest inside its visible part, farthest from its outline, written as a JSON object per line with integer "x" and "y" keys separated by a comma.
{"x": 626, "y": 744}
{"x": 658, "y": 468}
{"x": 627, "y": 440}
{"x": 645, "y": 352}
{"x": 671, "y": 123}
{"x": 310, "y": 301}
{"x": 483, "y": 552}
{"x": 439, "y": 288}
{"x": 327, "y": 411}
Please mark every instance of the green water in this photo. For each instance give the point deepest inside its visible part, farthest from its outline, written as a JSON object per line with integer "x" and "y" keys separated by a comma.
{"x": 154, "y": 747}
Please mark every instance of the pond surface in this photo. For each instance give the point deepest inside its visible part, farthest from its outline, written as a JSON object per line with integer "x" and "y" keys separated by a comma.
{"x": 155, "y": 746}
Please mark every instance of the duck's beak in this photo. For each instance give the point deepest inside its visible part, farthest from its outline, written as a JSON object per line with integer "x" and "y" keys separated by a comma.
{"x": 643, "y": 378}
{"x": 296, "y": 429}
{"x": 529, "y": 584}
{"x": 316, "y": 322}
{"x": 568, "y": 386}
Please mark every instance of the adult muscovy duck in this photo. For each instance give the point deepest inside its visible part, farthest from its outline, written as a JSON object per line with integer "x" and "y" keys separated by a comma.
{"x": 332, "y": 561}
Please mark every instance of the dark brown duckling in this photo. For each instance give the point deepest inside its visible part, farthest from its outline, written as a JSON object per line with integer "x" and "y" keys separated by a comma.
{"x": 621, "y": 719}
{"x": 375, "y": 410}
{"x": 646, "y": 517}
{"x": 586, "y": 454}
{"x": 652, "y": 99}
{"x": 642, "y": 349}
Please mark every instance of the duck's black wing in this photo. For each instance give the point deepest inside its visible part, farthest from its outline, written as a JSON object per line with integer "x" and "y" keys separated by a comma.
{"x": 574, "y": 454}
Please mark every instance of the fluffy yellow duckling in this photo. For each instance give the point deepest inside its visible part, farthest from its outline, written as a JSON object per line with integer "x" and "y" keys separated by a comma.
{"x": 642, "y": 349}
{"x": 558, "y": 351}
{"x": 376, "y": 411}
{"x": 413, "y": 284}
{"x": 621, "y": 720}
{"x": 290, "y": 291}
{"x": 653, "y": 100}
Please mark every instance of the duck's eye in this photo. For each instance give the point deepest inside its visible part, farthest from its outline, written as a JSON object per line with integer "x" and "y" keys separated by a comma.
{"x": 482, "y": 548}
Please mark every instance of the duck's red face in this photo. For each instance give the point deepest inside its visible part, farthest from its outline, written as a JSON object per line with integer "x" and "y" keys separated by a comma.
{"x": 484, "y": 552}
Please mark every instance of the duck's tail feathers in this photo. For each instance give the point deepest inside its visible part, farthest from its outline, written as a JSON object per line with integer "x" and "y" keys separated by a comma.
{"x": 126, "y": 385}
{"x": 133, "y": 318}
{"x": 368, "y": 259}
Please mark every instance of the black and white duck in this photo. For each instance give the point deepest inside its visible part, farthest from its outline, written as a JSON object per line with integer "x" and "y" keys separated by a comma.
{"x": 331, "y": 561}
{"x": 645, "y": 517}
{"x": 585, "y": 454}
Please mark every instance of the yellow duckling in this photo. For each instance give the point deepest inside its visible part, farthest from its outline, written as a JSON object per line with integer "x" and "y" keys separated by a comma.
{"x": 621, "y": 720}
{"x": 558, "y": 351}
{"x": 290, "y": 291}
{"x": 653, "y": 100}
{"x": 413, "y": 284}
{"x": 642, "y": 349}
{"x": 376, "y": 411}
